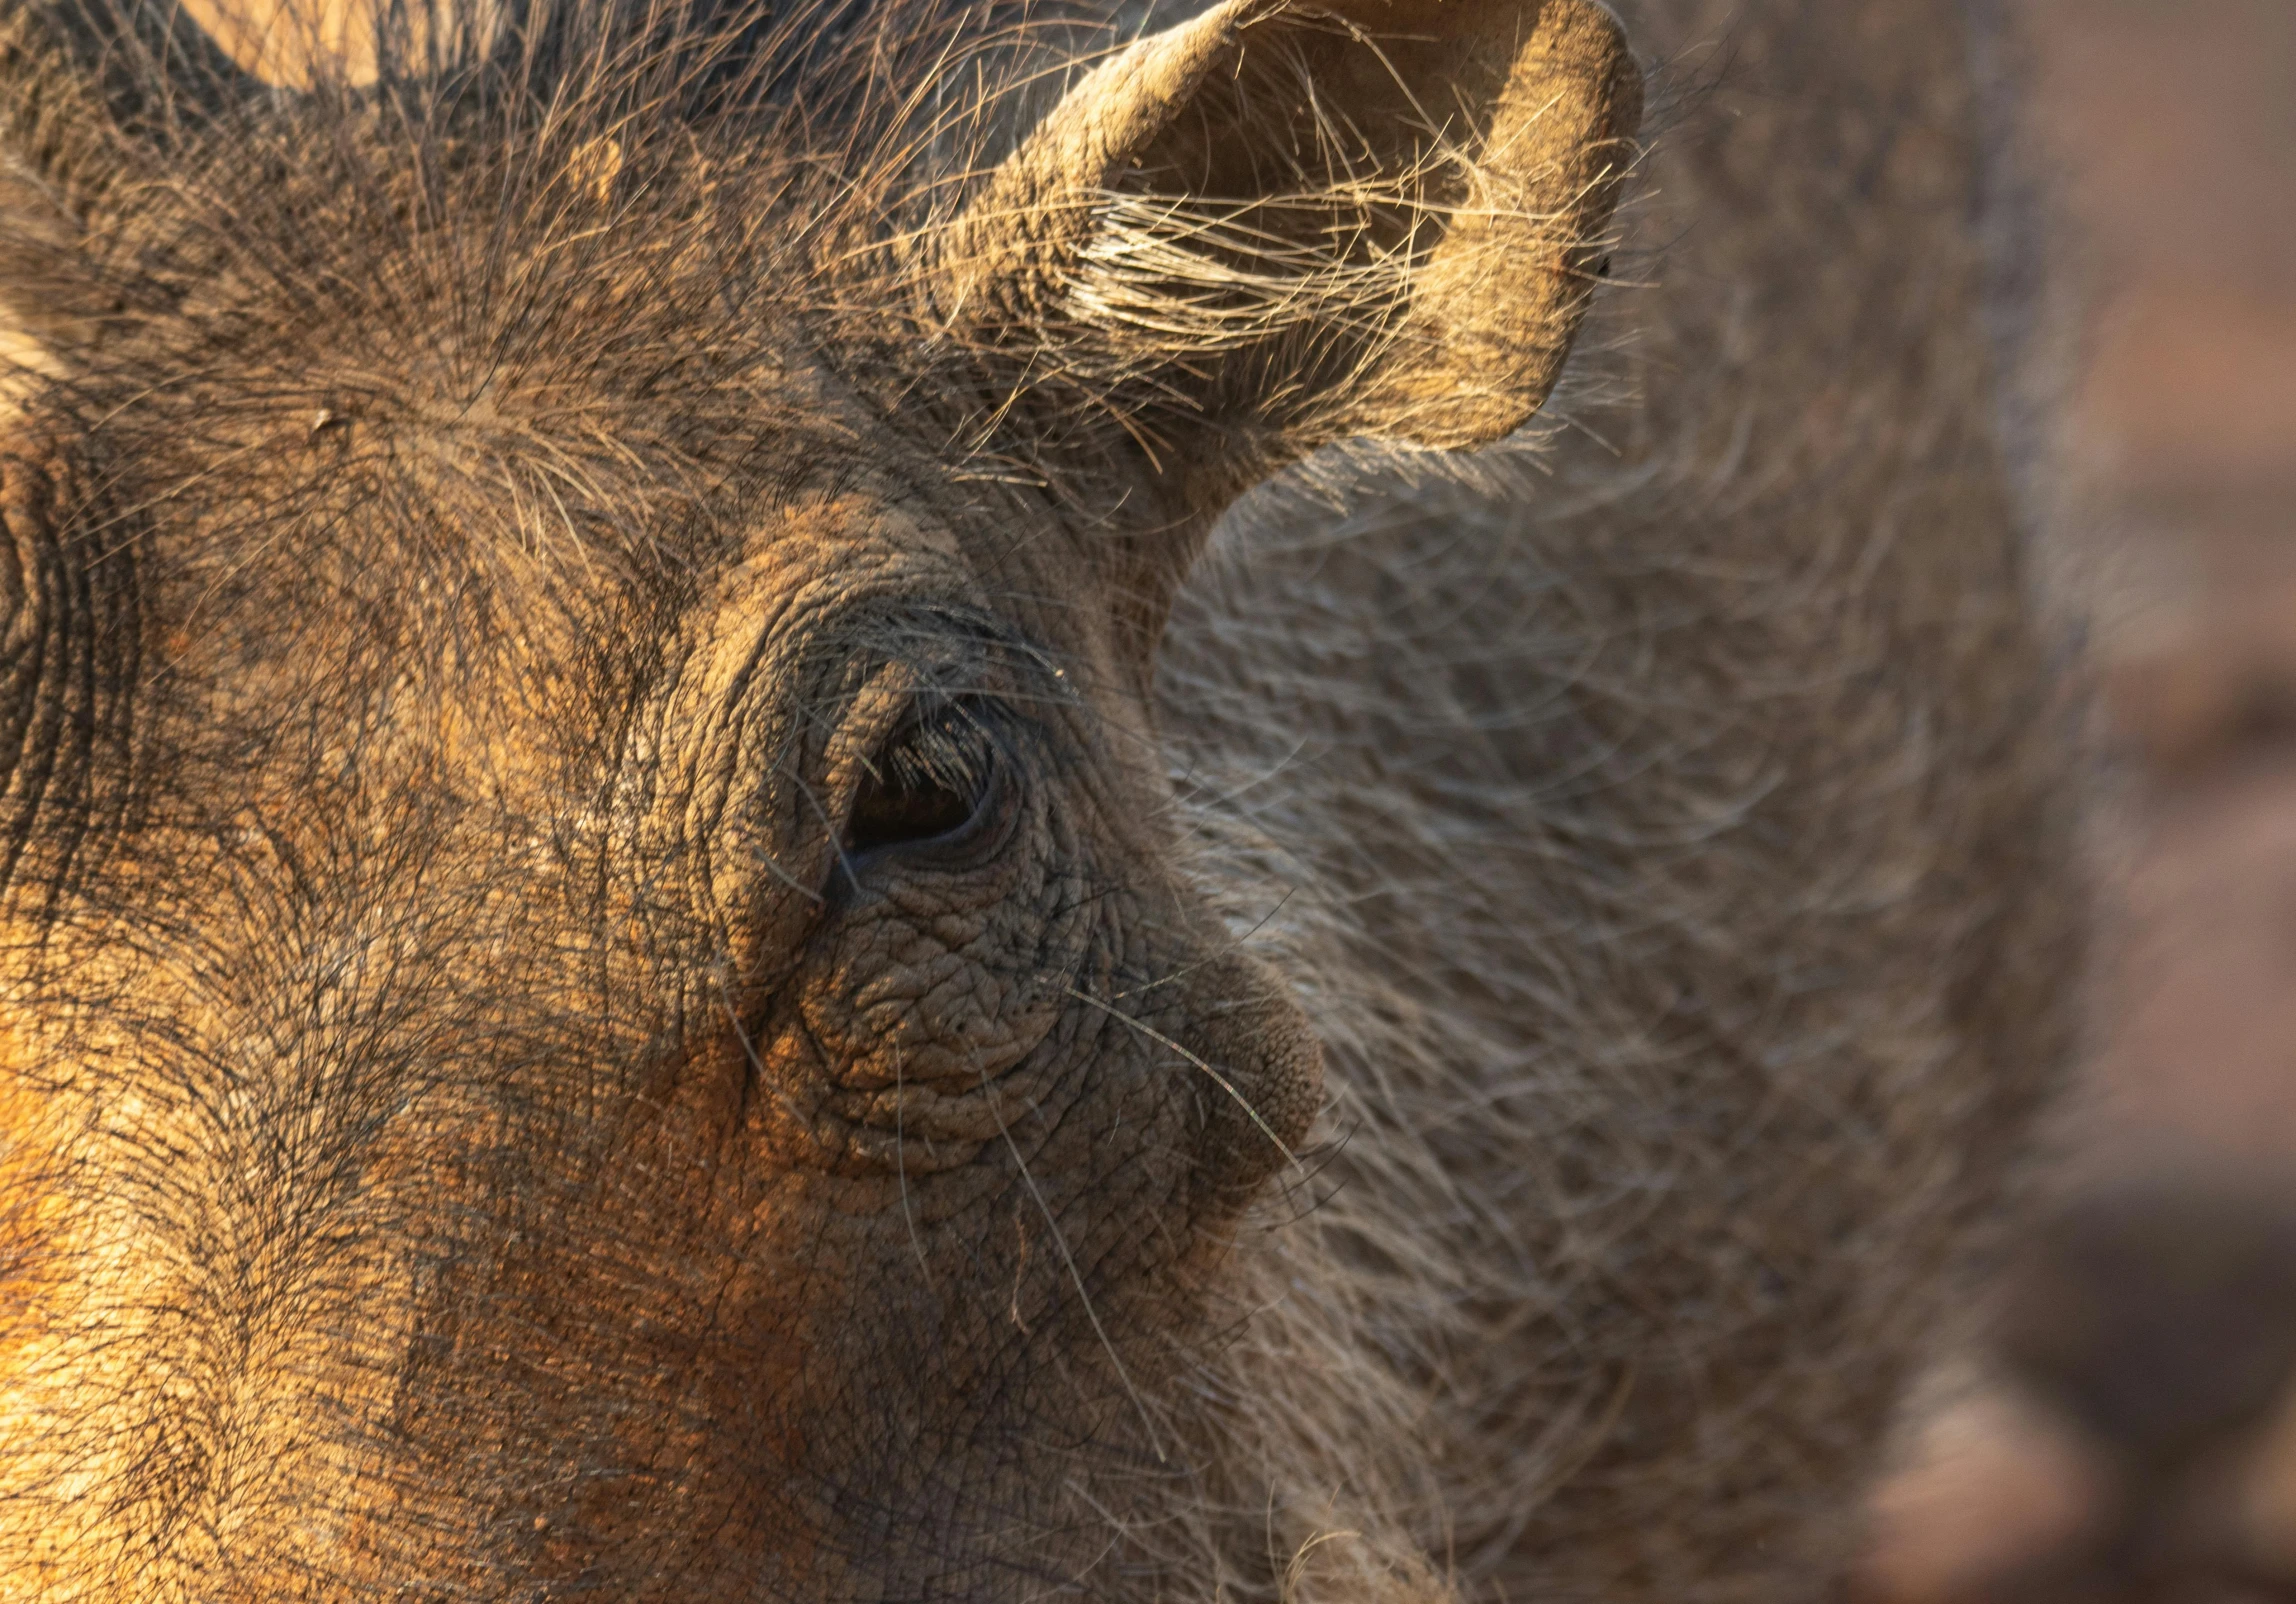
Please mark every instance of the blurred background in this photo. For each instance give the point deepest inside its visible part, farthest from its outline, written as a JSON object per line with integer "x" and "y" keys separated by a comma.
{"x": 2174, "y": 122}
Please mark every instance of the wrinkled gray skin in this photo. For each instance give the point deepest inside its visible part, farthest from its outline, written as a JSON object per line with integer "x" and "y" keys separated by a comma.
{"x": 507, "y": 1101}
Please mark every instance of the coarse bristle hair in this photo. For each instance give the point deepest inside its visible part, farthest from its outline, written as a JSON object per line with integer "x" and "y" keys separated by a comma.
{"x": 1669, "y": 842}
{"x": 611, "y": 226}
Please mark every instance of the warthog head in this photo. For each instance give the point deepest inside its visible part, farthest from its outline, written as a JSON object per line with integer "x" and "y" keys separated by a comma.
{"x": 601, "y": 1000}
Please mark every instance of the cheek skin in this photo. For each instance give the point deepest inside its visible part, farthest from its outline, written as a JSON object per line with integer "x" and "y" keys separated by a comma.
{"x": 53, "y": 1470}
{"x": 921, "y": 1188}
{"x": 49, "y": 1239}
{"x": 28, "y": 1208}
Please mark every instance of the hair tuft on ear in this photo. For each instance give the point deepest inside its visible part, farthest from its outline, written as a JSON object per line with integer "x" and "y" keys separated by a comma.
{"x": 1283, "y": 223}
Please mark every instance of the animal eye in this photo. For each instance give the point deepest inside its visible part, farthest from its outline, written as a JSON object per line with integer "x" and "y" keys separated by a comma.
{"x": 934, "y": 784}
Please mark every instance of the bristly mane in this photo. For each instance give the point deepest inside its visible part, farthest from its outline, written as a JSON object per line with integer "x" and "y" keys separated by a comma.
{"x": 522, "y": 233}
{"x": 609, "y": 232}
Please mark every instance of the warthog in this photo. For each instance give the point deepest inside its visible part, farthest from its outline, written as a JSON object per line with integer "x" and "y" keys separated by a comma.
{"x": 660, "y": 948}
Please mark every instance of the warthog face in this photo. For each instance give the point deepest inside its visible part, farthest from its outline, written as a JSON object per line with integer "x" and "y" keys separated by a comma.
{"x": 601, "y": 999}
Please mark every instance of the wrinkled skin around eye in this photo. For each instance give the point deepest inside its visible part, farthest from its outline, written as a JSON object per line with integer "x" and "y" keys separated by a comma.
{"x": 724, "y": 1150}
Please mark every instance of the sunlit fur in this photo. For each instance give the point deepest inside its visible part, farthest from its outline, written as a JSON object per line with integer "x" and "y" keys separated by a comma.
{"x": 1660, "y": 821}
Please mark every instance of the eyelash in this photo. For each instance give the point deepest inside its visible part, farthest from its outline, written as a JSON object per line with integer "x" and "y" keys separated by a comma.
{"x": 933, "y": 786}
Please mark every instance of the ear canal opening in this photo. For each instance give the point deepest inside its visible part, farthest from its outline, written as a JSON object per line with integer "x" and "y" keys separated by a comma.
{"x": 1349, "y": 196}
{"x": 1272, "y": 212}
{"x": 1316, "y": 112}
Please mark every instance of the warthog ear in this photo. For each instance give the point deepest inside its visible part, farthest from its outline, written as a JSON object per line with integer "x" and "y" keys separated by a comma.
{"x": 1287, "y": 222}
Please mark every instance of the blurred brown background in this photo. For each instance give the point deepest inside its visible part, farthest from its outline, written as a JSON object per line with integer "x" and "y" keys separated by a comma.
{"x": 2174, "y": 124}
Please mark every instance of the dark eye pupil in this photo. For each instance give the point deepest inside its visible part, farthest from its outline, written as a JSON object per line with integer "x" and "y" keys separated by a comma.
{"x": 889, "y": 813}
{"x": 928, "y": 784}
